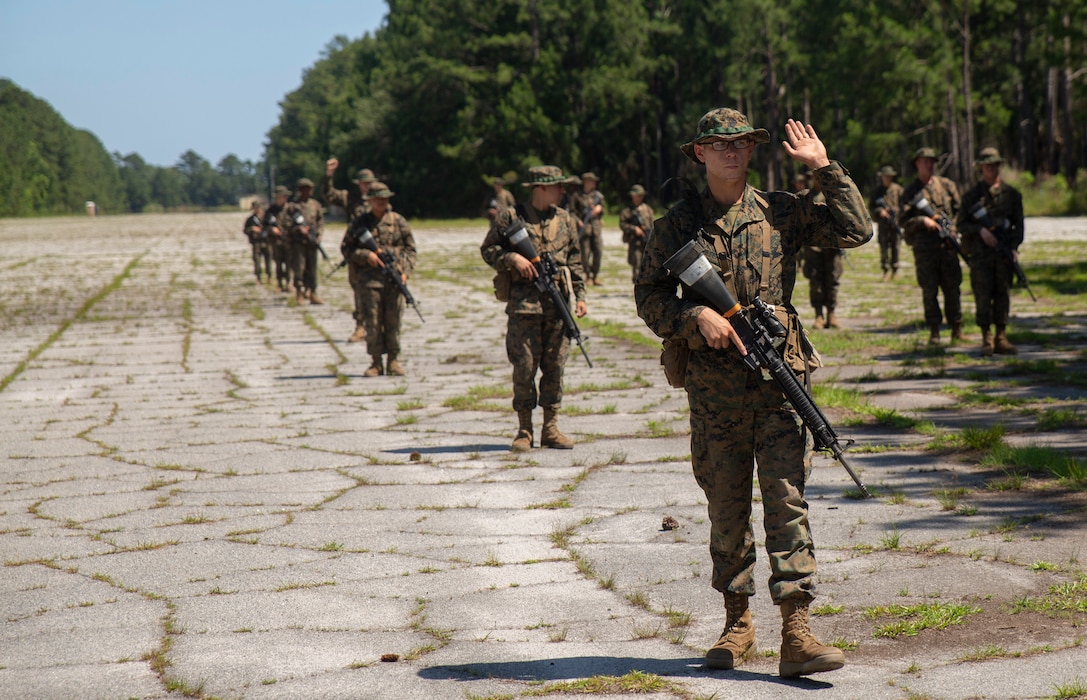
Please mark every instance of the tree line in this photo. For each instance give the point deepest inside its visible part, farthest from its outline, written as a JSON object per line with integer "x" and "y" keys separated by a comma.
{"x": 448, "y": 92}
{"x": 50, "y": 167}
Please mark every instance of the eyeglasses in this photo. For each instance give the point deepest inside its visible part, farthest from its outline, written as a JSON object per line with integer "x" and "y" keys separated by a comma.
{"x": 739, "y": 144}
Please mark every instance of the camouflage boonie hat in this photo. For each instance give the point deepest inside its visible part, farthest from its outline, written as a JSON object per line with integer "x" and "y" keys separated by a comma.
{"x": 988, "y": 156}
{"x": 888, "y": 170}
{"x": 365, "y": 175}
{"x": 589, "y": 176}
{"x": 281, "y": 190}
{"x": 498, "y": 181}
{"x": 304, "y": 182}
{"x": 380, "y": 190}
{"x": 545, "y": 175}
{"x": 637, "y": 189}
{"x": 723, "y": 124}
{"x": 924, "y": 152}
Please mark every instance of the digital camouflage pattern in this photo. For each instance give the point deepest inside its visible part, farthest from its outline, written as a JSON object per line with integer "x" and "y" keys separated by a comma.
{"x": 379, "y": 300}
{"x": 886, "y": 229}
{"x": 280, "y": 247}
{"x": 303, "y": 254}
{"x": 936, "y": 263}
{"x": 591, "y": 236}
{"x": 355, "y": 206}
{"x": 723, "y": 123}
{"x": 990, "y": 270}
{"x": 535, "y": 340}
{"x": 823, "y": 267}
{"x": 739, "y": 417}
{"x": 630, "y": 220}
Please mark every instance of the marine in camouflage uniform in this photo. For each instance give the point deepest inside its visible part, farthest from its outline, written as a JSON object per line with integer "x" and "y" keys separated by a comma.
{"x": 739, "y": 418}
{"x": 381, "y": 304}
{"x": 258, "y": 241}
{"x": 990, "y": 269}
{"x": 354, "y": 203}
{"x": 588, "y": 206}
{"x": 823, "y": 267}
{"x": 535, "y": 336}
{"x": 886, "y": 204}
{"x": 935, "y": 260}
{"x": 501, "y": 199}
{"x": 275, "y": 224}
{"x": 636, "y": 223}
{"x": 305, "y": 221}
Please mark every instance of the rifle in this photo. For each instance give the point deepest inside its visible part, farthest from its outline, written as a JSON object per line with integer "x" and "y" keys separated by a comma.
{"x": 882, "y": 203}
{"x": 516, "y": 238}
{"x": 266, "y": 232}
{"x": 757, "y": 327}
{"x": 981, "y": 215}
{"x": 350, "y": 245}
{"x": 365, "y": 239}
{"x": 921, "y": 204}
{"x": 311, "y": 237}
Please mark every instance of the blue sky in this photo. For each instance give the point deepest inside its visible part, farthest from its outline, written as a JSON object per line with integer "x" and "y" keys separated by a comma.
{"x": 161, "y": 77}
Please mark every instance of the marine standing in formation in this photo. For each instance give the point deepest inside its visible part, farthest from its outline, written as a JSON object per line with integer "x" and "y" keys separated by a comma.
{"x": 588, "y": 206}
{"x": 535, "y": 337}
{"x": 380, "y": 302}
{"x": 258, "y": 241}
{"x": 886, "y": 206}
{"x": 823, "y": 267}
{"x": 636, "y": 223}
{"x": 501, "y": 199}
{"x": 355, "y": 204}
{"x": 992, "y": 250}
{"x": 741, "y": 418}
{"x": 935, "y": 258}
{"x": 305, "y": 221}
{"x": 275, "y": 224}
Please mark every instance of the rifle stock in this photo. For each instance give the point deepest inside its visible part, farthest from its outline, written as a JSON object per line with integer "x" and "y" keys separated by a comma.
{"x": 757, "y": 326}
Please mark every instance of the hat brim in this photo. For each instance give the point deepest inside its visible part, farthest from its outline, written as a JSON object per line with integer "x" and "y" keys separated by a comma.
{"x": 562, "y": 181}
{"x": 759, "y": 135}
{"x": 989, "y": 161}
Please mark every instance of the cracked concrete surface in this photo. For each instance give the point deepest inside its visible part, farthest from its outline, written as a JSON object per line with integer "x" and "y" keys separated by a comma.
{"x": 202, "y": 496}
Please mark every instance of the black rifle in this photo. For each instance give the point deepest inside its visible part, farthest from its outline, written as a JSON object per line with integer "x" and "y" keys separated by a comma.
{"x": 266, "y": 232}
{"x": 882, "y": 203}
{"x": 921, "y": 204}
{"x": 757, "y": 327}
{"x": 981, "y": 215}
{"x": 311, "y": 237}
{"x": 516, "y": 238}
{"x": 365, "y": 239}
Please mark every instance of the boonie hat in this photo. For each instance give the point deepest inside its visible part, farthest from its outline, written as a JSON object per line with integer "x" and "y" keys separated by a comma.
{"x": 888, "y": 170}
{"x": 637, "y": 189}
{"x": 281, "y": 190}
{"x": 924, "y": 152}
{"x": 304, "y": 182}
{"x": 546, "y": 175}
{"x": 988, "y": 156}
{"x": 723, "y": 124}
{"x": 365, "y": 175}
{"x": 589, "y": 176}
{"x": 380, "y": 190}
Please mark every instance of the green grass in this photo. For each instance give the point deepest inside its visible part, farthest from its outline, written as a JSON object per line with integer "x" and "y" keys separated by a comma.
{"x": 911, "y": 619}
{"x": 1062, "y": 598}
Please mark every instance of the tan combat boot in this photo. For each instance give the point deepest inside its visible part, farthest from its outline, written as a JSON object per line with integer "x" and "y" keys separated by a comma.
{"x": 1001, "y": 344}
{"x": 359, "y": 334}
{"x": 375, "y": 369}
{"x": 832, "y": 319}
{"x": 523, "y": 441}
{"x": 986, "y": 342}
{"x": 819, "y": 321}
{"x": 957, "y": 335}
{"x": 394, "y": 367}
{"x": 299, "y": 295}
{"x": 886, "y": 275}
{"x": 801, "y": 652}
{"x": 934, "y": 334}
{"x": 737, "y": 642}
{"x": 551, "y": 436}
{"x": 313, "y": 298}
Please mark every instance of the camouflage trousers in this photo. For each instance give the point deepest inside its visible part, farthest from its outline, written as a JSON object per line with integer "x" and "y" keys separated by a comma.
{"x": 536, "y": 343}
{"x": 381, "y": 309}
{"x": 591, "y": 244}
{"x": 888, "y": 239}
{"x": 634, "y": 257}
{"x": 938, "y": 271}
{"x": 991, "y": 281}
{"x": 357, "y": 289}
{"x": 303, "y": 264}
{"x": 726, "y": 447}
{"x": 262, "y": 253}
{"x": 824, "y": 272}
{"x": 281, "y": 256}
